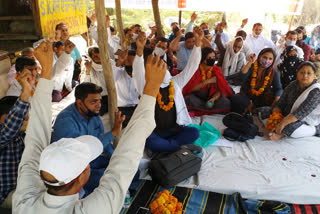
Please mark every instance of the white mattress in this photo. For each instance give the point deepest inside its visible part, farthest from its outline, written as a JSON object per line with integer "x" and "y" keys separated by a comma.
{"x": 260, "y": 168}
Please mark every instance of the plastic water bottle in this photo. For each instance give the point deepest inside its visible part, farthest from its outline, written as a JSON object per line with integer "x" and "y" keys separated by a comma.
{"x": 127, "y": 200}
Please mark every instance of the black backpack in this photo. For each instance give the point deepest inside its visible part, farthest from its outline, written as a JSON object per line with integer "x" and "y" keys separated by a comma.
{"x": 169, "y": 168}
{"x": 239, "y": 127}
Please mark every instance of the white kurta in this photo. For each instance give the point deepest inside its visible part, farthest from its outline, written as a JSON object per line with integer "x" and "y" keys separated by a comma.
{"x": 259, "y": 43}
{"x": 63, "y": 71}
{"x": 179, "y": 80}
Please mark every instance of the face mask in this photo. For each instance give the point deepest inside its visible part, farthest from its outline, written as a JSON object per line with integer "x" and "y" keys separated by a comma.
{"x": 304, "y": 37}
{"x": 97, "y": 67}
{"x": 135, "y": 36}
{"x": 206, "y": 32}
{"x": 292, "y": 58}
{"x": 255, "y": 35}
{"x": 89, "y": 113}
{"x": 159, "y": 51}
{"x": 290, "y": 43}
{"x": 265, "y": 63}
{"x": 210, "y": 61}
{"x": 128, "y": 69}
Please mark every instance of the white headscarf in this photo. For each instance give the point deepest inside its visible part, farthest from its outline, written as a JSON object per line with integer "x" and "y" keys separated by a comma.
{"x": 95, "y": 66}
{"x": 231, "y": 58}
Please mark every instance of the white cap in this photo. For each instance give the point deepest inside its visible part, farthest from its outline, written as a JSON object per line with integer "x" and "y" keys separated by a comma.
{"x": 67, "y": 158}
{"x": 151, "y": 24}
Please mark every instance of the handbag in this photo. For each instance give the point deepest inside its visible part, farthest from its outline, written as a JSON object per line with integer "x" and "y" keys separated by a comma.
{"x": 169, "y": 168}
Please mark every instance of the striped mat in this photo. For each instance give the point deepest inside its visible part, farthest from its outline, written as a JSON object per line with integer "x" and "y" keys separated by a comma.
{"x": 203, "y": 202}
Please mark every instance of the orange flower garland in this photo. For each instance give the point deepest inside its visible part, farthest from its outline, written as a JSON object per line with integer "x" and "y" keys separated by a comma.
{"x": 166, "y": 204}
{"x": 205, "y": 75}
{"x": 171, "y": 100}
{"x": 254, "y": 80}
{"x": 274, "y": 119}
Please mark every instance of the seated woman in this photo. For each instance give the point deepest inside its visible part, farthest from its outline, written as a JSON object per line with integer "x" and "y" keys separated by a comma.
{"x": 207, "y": 91}
{"x": 261, "y": 83}
{"x": 289, "y": 66}
{"x": 233, "y": 61}
{"x": 300, "y": 106}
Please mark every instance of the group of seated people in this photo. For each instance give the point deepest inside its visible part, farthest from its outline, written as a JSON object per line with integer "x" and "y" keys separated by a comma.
{"x": 161, "y": 83}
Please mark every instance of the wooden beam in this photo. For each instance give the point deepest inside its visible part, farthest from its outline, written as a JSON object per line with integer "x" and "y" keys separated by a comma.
{"x": 18, "y": 36}
{"x": 120, "y": 26}
{"x": 105, "y": 59}
{"x": 36, "y": 17}
{"x": 180, "y": 15}
{"x": 13, "y": 18}
{"x": 156, "y": 14}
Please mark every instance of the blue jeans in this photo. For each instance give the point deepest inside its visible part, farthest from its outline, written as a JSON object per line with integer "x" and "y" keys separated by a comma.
{"x": 171, "y": 140}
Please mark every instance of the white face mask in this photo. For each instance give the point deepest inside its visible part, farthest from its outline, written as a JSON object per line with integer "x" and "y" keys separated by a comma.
{"x": 96, "y": 67}
{"x": 135, "y": 36}
{"x": 159, "y": 51}
{"x": 290, "y": 43}
{"x": 255, "y": 35}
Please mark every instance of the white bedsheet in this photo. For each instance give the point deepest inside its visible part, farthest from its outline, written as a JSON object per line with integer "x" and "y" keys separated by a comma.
{"x": 262, "y": 169}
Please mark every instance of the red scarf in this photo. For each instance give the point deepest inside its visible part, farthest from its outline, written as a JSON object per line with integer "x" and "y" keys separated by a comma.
{"x": 221, "y": 83}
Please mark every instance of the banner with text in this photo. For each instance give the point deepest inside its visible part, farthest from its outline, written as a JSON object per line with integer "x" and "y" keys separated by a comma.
{"x": 70, "y": 12}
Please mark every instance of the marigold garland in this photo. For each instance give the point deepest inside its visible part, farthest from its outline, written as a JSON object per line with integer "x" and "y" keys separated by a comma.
{"x": 171, "y": 100}
{"x": 254, "y": 80}
{"x": 274, "y": 119}
{"x": 206, "y": 75}
{"x": 166, "y": 204}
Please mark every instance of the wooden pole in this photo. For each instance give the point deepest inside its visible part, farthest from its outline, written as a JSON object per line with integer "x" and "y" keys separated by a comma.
{"x": 105, "y": 59}
{"x": 291, "y": 22}
{"x": 156, "y": 14}
{"x": 120, "y": 26}
{"x": 180, "y": 15}
{"x": 36, "y": 17}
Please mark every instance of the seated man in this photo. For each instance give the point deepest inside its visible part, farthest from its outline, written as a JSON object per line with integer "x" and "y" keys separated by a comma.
{"x": 183, "y": 48}
{"x": 71, "y": 159}
{"x": 94, "y": 74}
{"x": 82, "y": 118}
{"x": 171, "y": 113}
{"x": 62, "y": 69}
{"x": 290, "y": 40}
{"x": 25, "y": 52}
{"x": 13, "y": 117}
{"x": 22, "y": 63}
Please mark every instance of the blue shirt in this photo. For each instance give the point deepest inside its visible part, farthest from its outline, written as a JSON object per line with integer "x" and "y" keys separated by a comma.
{"x": 75, "y": 54}
{"x": 183, "y": 55}
{"x": 71, "y": 124}
{"x": 11, "y": 147}
{"x": 307, "y": 40}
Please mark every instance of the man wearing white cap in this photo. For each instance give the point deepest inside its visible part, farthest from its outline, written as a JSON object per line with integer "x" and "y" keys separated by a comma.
{"x": 64, "y": 165}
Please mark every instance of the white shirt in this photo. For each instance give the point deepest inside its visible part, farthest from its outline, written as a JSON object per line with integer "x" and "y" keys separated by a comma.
{"x": 31, "y": 195}
{"x": 279, "y": 49}
{"x": 179, "y": 81}
{"x": 97, "y": 77}
{"x": 256, "y": 44}
{"x": 127, "y": 94}
{"x": 62, "y": 71}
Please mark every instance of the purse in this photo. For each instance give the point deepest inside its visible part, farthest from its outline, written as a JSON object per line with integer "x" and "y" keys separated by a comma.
{"x": 169, "y": 168}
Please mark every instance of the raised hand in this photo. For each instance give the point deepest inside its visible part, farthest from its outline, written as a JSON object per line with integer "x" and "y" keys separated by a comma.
{"x": 198, "y": 34}
{"x": 108, "y": 20}
{"x": 27, "y": 81}
{"x": 88, "y": 65}
{"x": 193, "y": 16}
{"x": 93, "y": 18}
{"x": 44, "y": 54}
{"x": 141, "y": 42}
{"x": 122, "y": 56}
{"x": 156, "y": 69}
{"x": 118, "y": 120}
{"x": 69, "y": 46}
{"x": 251, "y": 58}
{"x": 244, "y": 22}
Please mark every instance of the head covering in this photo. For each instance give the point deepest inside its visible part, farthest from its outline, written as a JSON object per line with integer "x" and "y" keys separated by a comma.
{"x": 230, "y": 60}
{"x": 67, "y": 158}
{"x": 288, "y": 68}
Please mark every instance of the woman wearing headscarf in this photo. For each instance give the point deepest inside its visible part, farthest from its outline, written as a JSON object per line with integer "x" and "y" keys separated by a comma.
{"x": 207, "y": 91}
{"x": 289, "y": 66}
{"x": 300, "y": 106}
{"x": 261, "y": 82}
{"x": 233, "y": 61}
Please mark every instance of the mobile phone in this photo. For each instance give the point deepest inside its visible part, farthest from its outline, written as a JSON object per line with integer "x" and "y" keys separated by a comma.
{"x": 142, "y": 210}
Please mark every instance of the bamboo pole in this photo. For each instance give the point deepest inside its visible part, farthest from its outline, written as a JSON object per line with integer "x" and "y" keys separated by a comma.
{"x": 291, "y": 22}
{"x": 156, "y": 14}
{"x": 105, "y": 59}
{"x": 120, "y": 26}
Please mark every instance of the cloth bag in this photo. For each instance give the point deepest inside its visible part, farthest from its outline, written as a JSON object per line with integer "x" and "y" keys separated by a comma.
{"x": 169, "y": 168}
{"x": 208, "y": 134}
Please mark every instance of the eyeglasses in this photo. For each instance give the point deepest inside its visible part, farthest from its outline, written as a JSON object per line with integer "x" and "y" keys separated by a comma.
{"x": 306, "y": 73}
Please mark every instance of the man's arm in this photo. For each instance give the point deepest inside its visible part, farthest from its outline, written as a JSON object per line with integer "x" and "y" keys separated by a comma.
{"x": 174, "y": 45}
{"x": 193, "y": 63}
{"x": 110, "y": 194}
{"x": 138, "y": 70}
{"x": 17, "y": 115}
{"x": 38, "y": 134}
